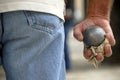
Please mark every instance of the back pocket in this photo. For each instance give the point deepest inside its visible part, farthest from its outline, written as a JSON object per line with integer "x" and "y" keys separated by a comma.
{"x": 43, "y": 22}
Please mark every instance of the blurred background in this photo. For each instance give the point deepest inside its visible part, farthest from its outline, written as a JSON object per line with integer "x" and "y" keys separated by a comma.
{"x": 77, "y": 67}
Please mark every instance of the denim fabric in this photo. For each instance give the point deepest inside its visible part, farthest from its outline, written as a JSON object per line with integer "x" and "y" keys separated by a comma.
{"x": 32, "y": 46}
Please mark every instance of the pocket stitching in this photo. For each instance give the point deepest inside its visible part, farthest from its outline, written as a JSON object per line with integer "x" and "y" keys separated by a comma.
{"x": 32, "y": 22}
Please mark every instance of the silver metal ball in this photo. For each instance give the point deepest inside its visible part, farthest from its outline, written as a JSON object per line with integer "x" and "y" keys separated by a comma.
{"x": 93, "y": 36}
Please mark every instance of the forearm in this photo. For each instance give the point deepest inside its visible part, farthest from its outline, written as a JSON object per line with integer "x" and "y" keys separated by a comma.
{"x": 99, "y": 8}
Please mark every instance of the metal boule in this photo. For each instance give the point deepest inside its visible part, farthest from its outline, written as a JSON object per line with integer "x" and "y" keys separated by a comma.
{"x": 94, "y": 36}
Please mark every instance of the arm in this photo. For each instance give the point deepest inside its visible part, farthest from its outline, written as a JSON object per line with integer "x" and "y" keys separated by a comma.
{"x": 99, "y": 8}
{"x": 98, "y": 13}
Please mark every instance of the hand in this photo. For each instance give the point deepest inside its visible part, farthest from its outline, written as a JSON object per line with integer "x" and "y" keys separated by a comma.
{"x": 79, "y": 29}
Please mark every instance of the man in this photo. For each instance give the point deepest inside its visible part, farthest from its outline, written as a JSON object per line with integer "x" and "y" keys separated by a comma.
{"x": 32, "y": 37}
{"x": 68, "y": 24}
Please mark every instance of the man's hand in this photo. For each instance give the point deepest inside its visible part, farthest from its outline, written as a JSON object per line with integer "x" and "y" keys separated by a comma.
{"x": 78, "y": 34}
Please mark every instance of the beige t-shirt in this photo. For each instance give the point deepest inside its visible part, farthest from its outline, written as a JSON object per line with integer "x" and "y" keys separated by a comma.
{"x": 55, "y": 7}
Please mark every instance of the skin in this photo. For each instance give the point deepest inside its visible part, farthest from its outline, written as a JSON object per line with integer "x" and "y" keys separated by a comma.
{"x": 98, "y": 14}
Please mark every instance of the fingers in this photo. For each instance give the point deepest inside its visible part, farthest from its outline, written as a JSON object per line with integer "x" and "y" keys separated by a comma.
{"x": 79, "y": 29}
{"x": 88, "y": 54}
{"x": 109, "y": 35}
{"x": 100, "y": 56}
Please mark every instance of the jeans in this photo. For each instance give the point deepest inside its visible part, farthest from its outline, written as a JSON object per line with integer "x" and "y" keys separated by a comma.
{"x": 68, "y": 26}
{"x": 32, "y": 46}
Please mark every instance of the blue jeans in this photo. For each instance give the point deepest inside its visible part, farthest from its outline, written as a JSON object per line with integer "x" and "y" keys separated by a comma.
{"x": 67, "y": 27}
{"x": 32, "y": 46}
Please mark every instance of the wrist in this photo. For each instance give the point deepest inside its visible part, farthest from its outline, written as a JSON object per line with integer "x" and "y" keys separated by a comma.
{"x": 98, "y": 16}
{"x": 99, "y": 8}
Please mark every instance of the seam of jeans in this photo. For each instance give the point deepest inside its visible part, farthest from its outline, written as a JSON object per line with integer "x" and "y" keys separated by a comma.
{"x": 29, "y": 19}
